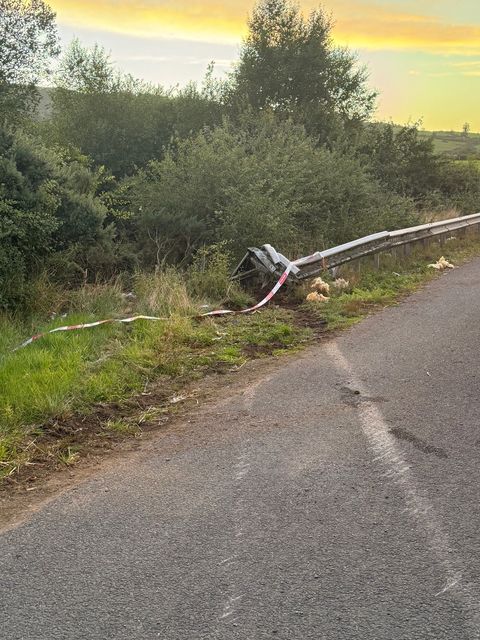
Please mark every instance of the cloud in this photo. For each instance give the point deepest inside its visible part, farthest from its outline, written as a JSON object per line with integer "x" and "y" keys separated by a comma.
{"x": 209, "y": 21}
{"x": 358, "y": 23}
{"x": 371, "y": 26}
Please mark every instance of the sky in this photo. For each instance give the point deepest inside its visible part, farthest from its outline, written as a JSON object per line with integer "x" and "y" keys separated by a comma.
{"x": 423, "y": 56}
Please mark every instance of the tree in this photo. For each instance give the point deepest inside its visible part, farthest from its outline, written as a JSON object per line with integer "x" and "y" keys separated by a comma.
{"x": 288, "y": 63}
{"x": 111, "y": 117}
{"x": 402, "y": 160}
{"x": 49, "y": 204}
{"x": 260, "y": 180}
{"x": 119, "y": 121}
{"x": 466, "y": 130}
{"x": 28, "y": 40}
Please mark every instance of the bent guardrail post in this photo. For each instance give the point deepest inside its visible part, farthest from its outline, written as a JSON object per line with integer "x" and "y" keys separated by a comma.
{"x": 267, "y": 263}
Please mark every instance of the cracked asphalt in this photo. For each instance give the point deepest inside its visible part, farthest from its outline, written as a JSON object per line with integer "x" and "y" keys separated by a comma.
{"x": 337, "y": 497}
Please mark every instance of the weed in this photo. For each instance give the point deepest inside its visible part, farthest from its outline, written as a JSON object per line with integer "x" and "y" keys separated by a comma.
{"x": 121, "y": 427}
{"x": 68, "y": 457}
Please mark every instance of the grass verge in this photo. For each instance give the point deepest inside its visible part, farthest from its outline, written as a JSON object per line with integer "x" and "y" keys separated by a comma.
{"x": 113, "y": 380}
{"x": 372, "y": 288}
{"x": 47, "y": 386}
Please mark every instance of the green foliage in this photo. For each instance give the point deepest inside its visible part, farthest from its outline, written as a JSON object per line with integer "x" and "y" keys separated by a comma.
{"x": 44, "y": 207}
{"x": 263, "y": 181}
{"x": 288, "y": 63}
{"x": 209, "y": 277}
{"x": 164, "y": 293}
{"x": 459, "y": 186}
{"x": 401, "y": 159}
{"x": 28, "y": 39}
{"x": 117, "y": 120}
{"x": 404, "y": 160}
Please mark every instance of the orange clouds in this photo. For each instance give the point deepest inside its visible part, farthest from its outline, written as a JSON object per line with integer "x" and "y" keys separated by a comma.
{"x": 361, "y": 24}
{"x": 376, "y": 28}
{"x": 223, "y": 22}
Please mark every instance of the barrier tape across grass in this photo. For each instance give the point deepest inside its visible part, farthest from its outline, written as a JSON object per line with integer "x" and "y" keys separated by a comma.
{"x": 218, "y": 312}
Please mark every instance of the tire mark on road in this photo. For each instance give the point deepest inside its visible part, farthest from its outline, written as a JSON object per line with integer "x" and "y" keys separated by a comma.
{"x": 232, "y": 564}
{"x": 384, "y": 445}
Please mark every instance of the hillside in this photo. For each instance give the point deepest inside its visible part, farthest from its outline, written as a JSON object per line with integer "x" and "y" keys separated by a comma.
{"x": 455, "y": 144}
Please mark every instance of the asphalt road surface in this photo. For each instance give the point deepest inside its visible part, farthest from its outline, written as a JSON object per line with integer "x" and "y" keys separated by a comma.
{"x": 337, "y": 497}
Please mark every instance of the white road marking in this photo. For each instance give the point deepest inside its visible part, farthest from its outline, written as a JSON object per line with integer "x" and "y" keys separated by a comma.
{"x": 449, "y": 586}
{"x": 230, "y": 606}
{"x": 240, "y": 471}
{"x": 386, "y": 449}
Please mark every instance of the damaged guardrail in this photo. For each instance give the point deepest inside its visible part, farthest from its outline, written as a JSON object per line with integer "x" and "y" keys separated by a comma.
{"x": 268, "y": 263}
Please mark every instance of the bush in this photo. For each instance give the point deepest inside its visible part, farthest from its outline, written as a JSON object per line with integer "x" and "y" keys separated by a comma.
{"x": 263, "y": 181}
{"x": 117, "y": 120}
{"x": 48, "y": 203}
{"x": 460, "y": 186}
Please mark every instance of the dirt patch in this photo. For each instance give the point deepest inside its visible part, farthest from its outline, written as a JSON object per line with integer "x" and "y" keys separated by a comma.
{"x": 259, "y": 350}
{"x": 62, "y": 441}
{"x": 307, "y": 320}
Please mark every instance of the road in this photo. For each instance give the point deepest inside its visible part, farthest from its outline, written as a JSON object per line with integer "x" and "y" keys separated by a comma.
{"x": 337, "y": 497}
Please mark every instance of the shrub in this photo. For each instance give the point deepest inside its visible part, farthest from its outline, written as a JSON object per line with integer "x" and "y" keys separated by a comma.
{"x": 48, "y": 203}
{"x": 263, "y": 181}
{"x": 209, "y": 277}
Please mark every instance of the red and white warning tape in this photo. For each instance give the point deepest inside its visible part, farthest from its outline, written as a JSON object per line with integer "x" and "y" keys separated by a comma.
{"x": 219, "y": 312}
{"x": 88, "y": 325}
{"x": 268, "y": 297}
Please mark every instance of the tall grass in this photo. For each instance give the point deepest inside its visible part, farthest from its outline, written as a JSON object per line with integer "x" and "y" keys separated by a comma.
{"x": 69, "y": 372}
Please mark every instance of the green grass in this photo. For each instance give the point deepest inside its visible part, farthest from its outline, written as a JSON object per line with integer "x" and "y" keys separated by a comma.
{"x": 454, "y": 143}
{"x": 66, "y": 375}
{"x": 398, "y": 276}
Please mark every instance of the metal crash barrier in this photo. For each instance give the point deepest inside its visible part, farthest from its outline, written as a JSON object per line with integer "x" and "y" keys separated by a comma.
{"x": 267, "y": 263}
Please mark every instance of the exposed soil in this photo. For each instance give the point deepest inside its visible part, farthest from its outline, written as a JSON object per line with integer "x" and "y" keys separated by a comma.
{"x": 305, "y": 319}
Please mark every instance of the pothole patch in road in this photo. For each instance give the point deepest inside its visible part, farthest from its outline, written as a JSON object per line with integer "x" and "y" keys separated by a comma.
{"x": 354, "y": 397}
{"x": 418, "y": 443}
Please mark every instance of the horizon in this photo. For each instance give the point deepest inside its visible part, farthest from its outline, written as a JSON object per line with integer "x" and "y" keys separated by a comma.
{"x": 422, "y": 57}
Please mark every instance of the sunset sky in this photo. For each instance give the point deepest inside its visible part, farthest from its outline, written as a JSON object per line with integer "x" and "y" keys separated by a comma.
{"x": 423, "y": 56}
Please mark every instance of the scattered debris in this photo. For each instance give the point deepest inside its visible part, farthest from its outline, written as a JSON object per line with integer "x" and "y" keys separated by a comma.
{"x": 441, "y": 264}
{"x": 445, "y": 263}
{"x": 341, "y": 284}
{"x": 317, "y": 297}
{"x": 320, "y": 286}
{"x": 177, "y": 399}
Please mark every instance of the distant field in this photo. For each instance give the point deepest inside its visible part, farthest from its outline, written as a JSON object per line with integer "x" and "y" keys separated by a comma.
{"x": 455, "y": 143}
